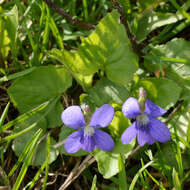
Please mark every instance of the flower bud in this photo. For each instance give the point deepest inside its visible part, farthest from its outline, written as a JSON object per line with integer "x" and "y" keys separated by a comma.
{"x": 142, "y": 93}
{"x": 85, "y": 108}
{"x": 142, "y": 99}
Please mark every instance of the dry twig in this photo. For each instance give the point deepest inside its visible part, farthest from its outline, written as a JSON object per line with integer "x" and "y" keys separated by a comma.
{"x": 123, "y": 19}
{"x": 77, "y": 170}
{"x": 174, "y": 111}
{"x": 132, "y": 153}
{"x": 69, "y": 17}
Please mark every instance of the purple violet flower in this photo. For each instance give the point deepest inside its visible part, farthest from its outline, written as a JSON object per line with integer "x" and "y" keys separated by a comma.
{"x": 88, "y": 137}
{"x": 147, "y": 128}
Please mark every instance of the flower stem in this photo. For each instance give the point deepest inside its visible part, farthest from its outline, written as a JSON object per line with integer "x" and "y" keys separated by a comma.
{"x": 133, "y": 152}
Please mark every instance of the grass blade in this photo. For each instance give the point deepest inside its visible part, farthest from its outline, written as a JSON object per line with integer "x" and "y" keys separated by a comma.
{"x": 177, "y": 184}
{"x": 174, "y": 32}
{"x": 25, "y": 116}
{"x": 122, "y": 174}
{"x": 93, "y": 187}
{"x": 10, "y": 137}
{"x": 47, "y": 162}
{"x": 16, "y": 75}
{"x": 181, "y": 10}
{"x": 4, "y": 114}
{"x": 45, "y": 39}
{"x": 32, "y": 183}
{"x": 27, "y": 160}
{"x": 138, "y": 174}
{"x": 56, "y": 33}
{"x": 23, "y": 154}
{"x": 85, "y": 10}
{"x": 155, "y": 181}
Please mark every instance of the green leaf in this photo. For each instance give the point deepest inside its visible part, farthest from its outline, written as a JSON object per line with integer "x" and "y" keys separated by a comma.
{"x": 171, "y": 55}
{"x": 54, "y": 116}
{"x": 37, "y": 87}
{"x": 11, "y": 25}
{"x": 118, "y": 124}
{"x": 65, "y": 57}
{"x": 161, "y": 91}
{"x": 108, "y": 49}
{"x": 182, "y": 63}
{"x": 115, "y": 57}
{"x": 185, "y": 156}
{"x": 105, "y": 91}
{"x": 40, "y": 85}
{"x": 4, "y": 42}
{"x": 183, "y": 83}
{"x": 108, "y": 161}
{"x": 178, "y": 124}
{"x": 146, "y": 4}
{"x": 152, "y": 20}
{"x": 40, "y": 156}
{"x": 166, "y": 159}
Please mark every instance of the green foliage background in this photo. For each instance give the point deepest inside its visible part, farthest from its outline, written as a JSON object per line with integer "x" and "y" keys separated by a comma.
{"x": 48, "y": 63}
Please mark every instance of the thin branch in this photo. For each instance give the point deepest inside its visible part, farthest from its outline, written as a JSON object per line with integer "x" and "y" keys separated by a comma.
{"x": 132, "y": 153}
{"x": 123, "y": 19}
{"x": 59, "y": 144}
{"x": 174, "y": 111}
{"x": 4, "y": 188}
{"x": 69, "y": 17}
{"x": 77, "y": 170}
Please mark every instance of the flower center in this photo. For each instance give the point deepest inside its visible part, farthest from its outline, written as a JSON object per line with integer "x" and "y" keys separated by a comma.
{"x": 142, "y": 120}
{"x": 88, "y": 130}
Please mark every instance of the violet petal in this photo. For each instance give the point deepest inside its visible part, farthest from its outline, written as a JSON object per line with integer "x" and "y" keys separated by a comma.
{"x": 153, "y": 109}
{"x": 142, "y": 137}
{"x": 102, "y": 117}
{"x": 73, "y": 117}
{"x": 129, "y": 134}
{"x": 103, "y": 140}
{"x": 88, "y": 142}
{"x": 159, "y": 130}
{"x": 72, "y": 143}
{"x": 151, "y": 140}
{"x": 131, "y": 108}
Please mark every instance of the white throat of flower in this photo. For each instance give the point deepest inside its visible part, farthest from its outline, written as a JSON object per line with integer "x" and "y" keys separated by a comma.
{"x": 89, "y": 130}
{"x": 143, "y": 119}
